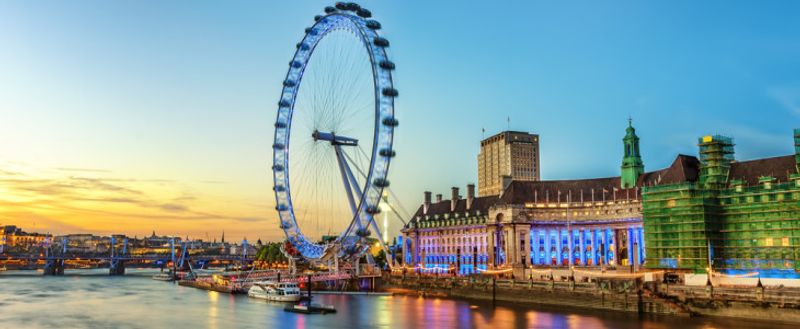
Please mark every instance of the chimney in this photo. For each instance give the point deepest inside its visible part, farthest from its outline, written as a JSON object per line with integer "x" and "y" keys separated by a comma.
{"x": 427, "y": 204}
{"x": 470, "y": 195}
{"x": 438, "y": 198}
{"x": 454, "y": 199}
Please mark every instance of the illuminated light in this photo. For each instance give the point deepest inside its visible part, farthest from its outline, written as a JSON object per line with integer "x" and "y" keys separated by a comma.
{"x": 615, "y": 275}
{"x": 499, "y": 271}
{"x": 743, "y": 275}
{"x": 707, "y": 139}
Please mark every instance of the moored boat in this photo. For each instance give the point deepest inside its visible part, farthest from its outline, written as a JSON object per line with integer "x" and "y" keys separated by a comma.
{"x": 163, "y": 277}
{"x": 310, "y": 308}
{"x": 275, "y": 291}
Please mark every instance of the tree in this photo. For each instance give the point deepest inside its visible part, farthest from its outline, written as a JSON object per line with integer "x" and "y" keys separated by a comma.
{"x": 380, "y": 259}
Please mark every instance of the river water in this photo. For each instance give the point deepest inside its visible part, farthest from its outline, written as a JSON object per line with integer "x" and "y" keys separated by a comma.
{"x": 92, "y": 299}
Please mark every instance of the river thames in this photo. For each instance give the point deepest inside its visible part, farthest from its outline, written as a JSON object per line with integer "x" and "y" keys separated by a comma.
{"x": 92, "y": 299}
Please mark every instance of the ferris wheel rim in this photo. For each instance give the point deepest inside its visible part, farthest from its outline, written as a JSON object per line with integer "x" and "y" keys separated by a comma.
{"x": 383, "y": 131}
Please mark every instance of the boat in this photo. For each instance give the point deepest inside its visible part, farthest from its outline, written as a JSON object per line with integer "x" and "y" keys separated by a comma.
{"x": 163, "y": 277}
{"x": 310, "y": 308}
{"x": 275, "y": 291}
{"x": 2, "y": 269}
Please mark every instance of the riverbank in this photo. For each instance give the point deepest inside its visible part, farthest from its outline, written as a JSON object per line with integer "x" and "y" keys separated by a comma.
{"x": 774, "y": 304}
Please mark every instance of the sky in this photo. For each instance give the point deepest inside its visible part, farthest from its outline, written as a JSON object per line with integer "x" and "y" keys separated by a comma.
{"x": 134, "y": 116}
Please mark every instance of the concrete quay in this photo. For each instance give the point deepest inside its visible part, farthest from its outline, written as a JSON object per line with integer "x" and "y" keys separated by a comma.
{"x": 767, "y": 303}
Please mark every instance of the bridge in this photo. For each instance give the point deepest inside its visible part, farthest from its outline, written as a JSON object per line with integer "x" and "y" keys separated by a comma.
{"x": 55, "y": 260}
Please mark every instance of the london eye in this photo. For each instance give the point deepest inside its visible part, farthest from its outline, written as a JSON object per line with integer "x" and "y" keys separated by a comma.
{"x": 333, "y": 136}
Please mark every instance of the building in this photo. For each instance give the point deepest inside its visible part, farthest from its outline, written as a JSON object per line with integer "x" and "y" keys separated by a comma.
{"x": 668, "y": 218}
{"x": 14, "y": 238}
{"x": 738, "y": 217}
{"x": 584, "y": 222}
{"x": 509, "y": 155}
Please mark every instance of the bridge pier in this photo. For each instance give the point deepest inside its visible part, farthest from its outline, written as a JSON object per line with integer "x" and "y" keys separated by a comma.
{"x": 54, "y": 267}
{"x": 117, "y": 267}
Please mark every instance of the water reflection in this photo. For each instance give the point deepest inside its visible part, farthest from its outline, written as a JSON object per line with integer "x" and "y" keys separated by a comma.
{"x": 212, "y": 309}
{"x": 29, "y": 300}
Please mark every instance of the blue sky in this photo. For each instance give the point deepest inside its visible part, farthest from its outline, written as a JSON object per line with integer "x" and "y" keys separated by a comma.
{"x": 185, "y": 92}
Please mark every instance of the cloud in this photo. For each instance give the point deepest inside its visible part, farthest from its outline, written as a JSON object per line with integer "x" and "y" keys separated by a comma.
{"x": 69, "y": 200}
{"x": 788, "y": 97}
{"x": 172, "y": 207}
{"x": 91, "y": 170}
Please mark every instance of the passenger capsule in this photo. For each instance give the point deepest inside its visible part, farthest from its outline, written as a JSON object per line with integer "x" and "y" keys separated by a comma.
{"x": 387, "y": 153}
{"x": 277, "y": 146}
{"x": 317, "y": 18}
{"x": 330, "y": 10}
{"x": 363, "y": 232}
{"x": 286, "y": 226}
{"x": 373, "y": 210}
{"x": 311, "y": 31}
{"x": 386, "y": 64}
{"x": 302, "y": 46}
{"x": 289, "y": 83}
{"x": 389, "y": 92}
{"x": 380, "y": 42}
{"x": 281, "y": 207}
{"x": 381, "y": 182}
{"x": 364, "y": 13}
{"x": 373, "y": 24}
{"x": 280, "y": 125}
{"x": 284, "y": 103}
{"x": 279, "y": 188}
{"x": 391, "y": 122}
{"x": 277, "y": 168}
{"x": 296, "y": 64}
{"x": 341, "y": 6}
{"x": 352, "y": 6}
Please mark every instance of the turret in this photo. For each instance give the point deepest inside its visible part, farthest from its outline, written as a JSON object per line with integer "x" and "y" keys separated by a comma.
{"x": 632, "y": 165}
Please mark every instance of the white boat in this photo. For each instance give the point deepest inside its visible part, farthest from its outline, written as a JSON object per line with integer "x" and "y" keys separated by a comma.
{"x": 163, "y": 277}
{"x": 275, "y": 291}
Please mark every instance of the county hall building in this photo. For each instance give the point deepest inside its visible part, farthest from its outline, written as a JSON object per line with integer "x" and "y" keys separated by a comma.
{"x": 523, "y": 221}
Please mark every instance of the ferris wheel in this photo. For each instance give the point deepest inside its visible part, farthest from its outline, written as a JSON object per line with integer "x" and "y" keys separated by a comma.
{"x": 336, "y": 115}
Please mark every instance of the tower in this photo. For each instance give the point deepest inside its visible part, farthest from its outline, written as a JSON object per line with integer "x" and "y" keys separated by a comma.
{"x": 716, "y": 156}
{"x": 512, "y": 154}
{"x": 632, "y": 165}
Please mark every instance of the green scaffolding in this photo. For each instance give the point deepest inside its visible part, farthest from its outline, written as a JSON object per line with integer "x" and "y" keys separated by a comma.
{"x": 723, "y": 224}
{"x": 675, "y": 226}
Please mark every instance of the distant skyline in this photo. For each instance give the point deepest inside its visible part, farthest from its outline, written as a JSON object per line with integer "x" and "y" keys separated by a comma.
{"x": 134, "y": 116}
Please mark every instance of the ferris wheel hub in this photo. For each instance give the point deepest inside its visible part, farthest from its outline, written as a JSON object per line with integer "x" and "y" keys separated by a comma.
{"x": 333, "y": 138}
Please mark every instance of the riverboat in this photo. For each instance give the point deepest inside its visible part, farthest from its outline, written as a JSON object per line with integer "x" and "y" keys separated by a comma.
{"x": 164, "y": 277}
{"x": 275, "y": 291}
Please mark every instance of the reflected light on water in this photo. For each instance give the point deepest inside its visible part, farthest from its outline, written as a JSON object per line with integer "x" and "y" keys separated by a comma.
{"x": 579, "y": 322}
{"x": 213, "y": 297}
{"x": 300, "y": 323}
